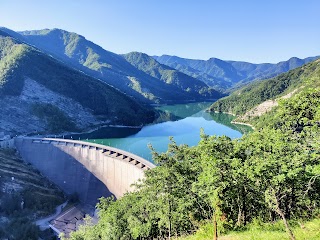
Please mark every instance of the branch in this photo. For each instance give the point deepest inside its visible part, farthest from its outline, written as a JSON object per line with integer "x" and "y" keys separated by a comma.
{"x": 310, "y": 183}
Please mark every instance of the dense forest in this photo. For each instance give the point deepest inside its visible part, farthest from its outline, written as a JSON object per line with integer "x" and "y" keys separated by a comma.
{"x": 271, "y": 174}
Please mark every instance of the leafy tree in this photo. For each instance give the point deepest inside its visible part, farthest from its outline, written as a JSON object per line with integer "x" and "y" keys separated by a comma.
{"x": 269, "y": 174}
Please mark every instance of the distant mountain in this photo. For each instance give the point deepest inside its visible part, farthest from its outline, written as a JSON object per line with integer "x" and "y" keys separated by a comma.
{"x": 39, "y": 94}
{"x": 114, "y": 69}
{"x": 227, "y": 74}
{"x": 214, "y": 72}
{"x": 266, "y": 92}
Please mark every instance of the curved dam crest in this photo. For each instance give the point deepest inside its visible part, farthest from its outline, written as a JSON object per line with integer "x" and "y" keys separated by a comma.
{"x": 88, "y": 169}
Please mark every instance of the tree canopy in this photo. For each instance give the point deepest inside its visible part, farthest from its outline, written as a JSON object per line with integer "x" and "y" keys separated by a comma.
{"x": 272, "y": 173}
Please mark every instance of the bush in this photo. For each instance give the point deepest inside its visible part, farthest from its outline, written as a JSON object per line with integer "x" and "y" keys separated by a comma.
{"x": 57, "y": 121}
{"x": 10, "y": 203}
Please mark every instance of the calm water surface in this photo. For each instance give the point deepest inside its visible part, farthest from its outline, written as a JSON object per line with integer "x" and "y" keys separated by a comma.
{"x": 186, "y": 130}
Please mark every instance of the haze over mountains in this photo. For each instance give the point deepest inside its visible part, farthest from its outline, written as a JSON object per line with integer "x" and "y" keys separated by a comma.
{"x": 227, "y": 74}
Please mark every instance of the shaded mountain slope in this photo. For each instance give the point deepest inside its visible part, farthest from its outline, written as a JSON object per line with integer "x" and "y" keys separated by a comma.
{"x": 170, "y": 75}
{"x": 37, "y": 91}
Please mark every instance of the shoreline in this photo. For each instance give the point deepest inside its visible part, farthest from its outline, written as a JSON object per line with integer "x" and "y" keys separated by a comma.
{"x": 236, "y": 122}
{"x": 97, "y": 127}
{"x": 242, "y": 123}
{"x": 90, "y": 130}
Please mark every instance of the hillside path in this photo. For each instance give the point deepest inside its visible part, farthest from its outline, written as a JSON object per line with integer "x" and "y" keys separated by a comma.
{"x": 43, "y": 223}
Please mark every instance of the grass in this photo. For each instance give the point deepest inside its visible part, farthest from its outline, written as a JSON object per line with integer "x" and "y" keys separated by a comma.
{"x": 309, "y": 230}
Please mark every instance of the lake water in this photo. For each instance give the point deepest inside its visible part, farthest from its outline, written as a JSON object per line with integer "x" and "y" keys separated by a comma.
{"x": 185, "y": 129}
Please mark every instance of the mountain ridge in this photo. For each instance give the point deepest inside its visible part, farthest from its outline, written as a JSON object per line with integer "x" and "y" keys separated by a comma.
{"x": 129, "y": 77}
{"x": 167, "y": 74}
{"x": 230, "y": 74}
{"x": 112, "y": 68}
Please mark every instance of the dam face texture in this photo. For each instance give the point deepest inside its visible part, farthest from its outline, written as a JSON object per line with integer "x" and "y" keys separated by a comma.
{"x": 88, "y": 169}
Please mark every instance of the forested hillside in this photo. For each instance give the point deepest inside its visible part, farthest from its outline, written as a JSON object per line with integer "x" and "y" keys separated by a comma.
{"x": 171, "y": 76}
{"x": 243, "y": 100}
{"x": 40, "y": 94}
{"x": 270, "y": 178}
{"x": 169, "y": 79}
{"x": 76, "y": 51}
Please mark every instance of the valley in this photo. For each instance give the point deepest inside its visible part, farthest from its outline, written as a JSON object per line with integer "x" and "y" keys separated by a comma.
{"x": 108, "y": 88}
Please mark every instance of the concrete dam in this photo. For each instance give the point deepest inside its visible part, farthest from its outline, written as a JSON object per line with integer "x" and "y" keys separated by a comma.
{"x": 88, "y": 169}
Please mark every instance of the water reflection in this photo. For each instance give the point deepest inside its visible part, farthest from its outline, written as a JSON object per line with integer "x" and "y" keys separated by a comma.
{"x": 188, "y": 120}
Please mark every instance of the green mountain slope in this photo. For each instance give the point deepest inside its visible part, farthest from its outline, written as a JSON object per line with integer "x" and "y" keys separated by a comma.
{"x": 227, "y": 74}
{"x": 114, "y": 69}
{"x": 11, "y": 54}
{"x": 41, "y": 94}
{"x": 243, "y": 100}
{"x": 170, "y": 76}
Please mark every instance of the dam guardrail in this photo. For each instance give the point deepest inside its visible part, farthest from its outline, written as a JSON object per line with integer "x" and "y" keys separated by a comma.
{"x": 89, "y": 169}
{"x": 112, "y": 152}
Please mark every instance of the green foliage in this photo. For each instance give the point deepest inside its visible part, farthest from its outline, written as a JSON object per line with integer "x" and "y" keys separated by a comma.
{"x": 19, "y": 228}
{"x": 270, "y": 175}
{"x": 164, "y": 204}
{"x": 11, "y": 56}
{"x": 91, "y": 93}
{"x": 44, "y": 202}
{"x": 10, "y": 203}
{"x": 57, "y": 121}
{"x": 37, "y": 193}
{"x": 248, "y": 97}
{"x": 23, "y": 229}
{"x": 299, "y": 112}
{"x": 259, "y": 230}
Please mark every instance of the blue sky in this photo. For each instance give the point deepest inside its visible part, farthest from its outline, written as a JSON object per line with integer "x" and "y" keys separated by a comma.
{"x": 248, "y": 30}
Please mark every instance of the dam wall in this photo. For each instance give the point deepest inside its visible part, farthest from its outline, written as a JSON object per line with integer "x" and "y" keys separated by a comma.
{"x": 88, "y": 169}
